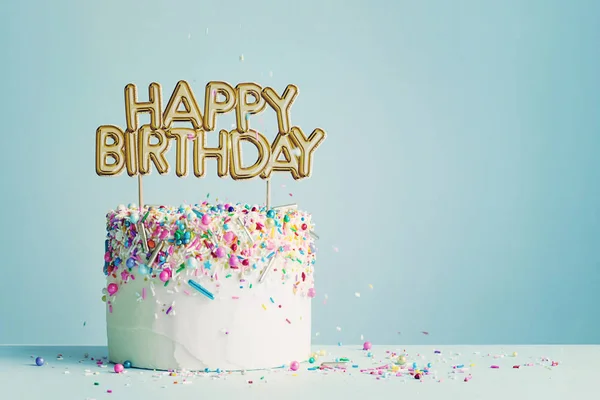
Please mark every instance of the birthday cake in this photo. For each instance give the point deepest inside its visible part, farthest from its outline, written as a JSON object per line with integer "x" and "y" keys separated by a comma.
{"x": 220, "y": 287}
{"x": 207, "y": 287}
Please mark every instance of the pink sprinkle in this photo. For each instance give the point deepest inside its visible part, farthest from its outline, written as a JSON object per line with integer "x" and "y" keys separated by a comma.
{"x": 110, "y": 308}
{"x": 235, "y": 297}
{"x": 109, "y": 391}
{"x": 288, "y": 321}
{"x": 291, "y": 195}
{"x": 495, "y": 366}
{"x": 186, "y": 292}
{"x": 143, "y": 293}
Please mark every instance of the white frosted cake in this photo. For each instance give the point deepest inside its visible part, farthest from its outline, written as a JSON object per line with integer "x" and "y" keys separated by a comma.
{"x": 209, "y": 287}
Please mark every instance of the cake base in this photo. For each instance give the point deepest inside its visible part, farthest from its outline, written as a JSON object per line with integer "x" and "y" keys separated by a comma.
{"x": 174, "y": 328}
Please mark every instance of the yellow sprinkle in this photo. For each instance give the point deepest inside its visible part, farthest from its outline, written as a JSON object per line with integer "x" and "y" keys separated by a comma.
{"x": 264, "y": 307}
{"x": 294, "y": 374}
{"x": 395, "y": 368}
{"x": 370, "y": 286}
{"x": 471, "y": 365}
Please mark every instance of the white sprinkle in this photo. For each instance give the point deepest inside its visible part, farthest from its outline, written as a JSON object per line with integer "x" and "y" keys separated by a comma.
{"x": 339, "y": 329}
{"x": 270, "y": 74}
{"x": 357, "y": 294}
{"x": 155, "y": 316}
{"x": 317, "y": 334}
{"x": 170, "y": 291}
{"x": 362, "y": 337}
{"x": 189, "y": 36}
{"x": 242, "y": 57}
{"x": 207, "y": 31}
{"x": 175, "y": 289}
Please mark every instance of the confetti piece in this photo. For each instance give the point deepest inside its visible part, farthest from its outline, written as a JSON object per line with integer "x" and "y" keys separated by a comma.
{"x": 336, "y": 249}
{"x": 357, "y": 294}
{"x": 370, "y": 286}
{"x": 242, "y": 57}
{"x": 425, "y": 333}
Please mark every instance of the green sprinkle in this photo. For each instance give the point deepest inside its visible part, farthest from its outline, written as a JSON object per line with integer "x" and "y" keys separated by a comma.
{"x": 207, "y": 195}
{"x": 250, "y": 286}
{"x": 344, "y": 359}
{"x": 96, "y": 384}
{"x": 228, "y": 276}
{"x": 145, "y": 216}
{"x": 181, "y": 268}
{"x": 167, "y": 283}
{"x": 283, "y": 270}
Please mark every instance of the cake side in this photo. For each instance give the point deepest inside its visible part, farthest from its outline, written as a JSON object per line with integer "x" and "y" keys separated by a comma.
{"x": 195, "y": 287}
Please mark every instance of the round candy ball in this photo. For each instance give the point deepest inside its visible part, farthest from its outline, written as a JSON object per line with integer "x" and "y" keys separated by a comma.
{"x": 401, "y": 360}
{"x": 164, "y": 276}
{"x": 311, "y": 360}
{"x": 233, "y": 261}
{"x": 191, "y": 263}
{"x": 294, "y": 365}
{"x": 206, "y": 219}
{"x": 143, "y": 269}
{"x": 220, "y": 252}
{"x": 417, "y": 376}
{"x": 228, "y": 236}
{"x": 127, "y": 364}
{"x": 119, "y": 368}
{"x": 367, "y": 346}
{"x": 270, "y": 214}
{"x": 39, "y": 361}
{"x": 269, "y": 223}
{"x": 112, "y": 288}
{"x": 304, "y": 227}
{"x": 134, "y": 217}
{"x": 130, "y": 262}
{"x": 312, "y": 292}
{"x": 286, "y": 218}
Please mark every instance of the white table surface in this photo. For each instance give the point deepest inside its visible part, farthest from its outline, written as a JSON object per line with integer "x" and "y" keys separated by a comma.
{"x": 575, "y": 377}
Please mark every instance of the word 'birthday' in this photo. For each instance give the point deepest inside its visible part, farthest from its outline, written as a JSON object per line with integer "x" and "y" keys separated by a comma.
{"x": 136, "y": 147}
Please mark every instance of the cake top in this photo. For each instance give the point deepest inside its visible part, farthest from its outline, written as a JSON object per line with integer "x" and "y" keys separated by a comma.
{"x": 216, "y": 242}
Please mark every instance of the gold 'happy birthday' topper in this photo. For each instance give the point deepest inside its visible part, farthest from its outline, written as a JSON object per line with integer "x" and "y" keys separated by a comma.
{"x": 134, "y": 151}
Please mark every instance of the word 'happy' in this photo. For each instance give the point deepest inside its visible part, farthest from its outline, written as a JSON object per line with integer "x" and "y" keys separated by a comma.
{"x": 133, "y": 149}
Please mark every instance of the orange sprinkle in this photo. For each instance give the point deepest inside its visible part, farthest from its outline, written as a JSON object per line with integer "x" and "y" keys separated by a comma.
{"x": 151, "y": 243}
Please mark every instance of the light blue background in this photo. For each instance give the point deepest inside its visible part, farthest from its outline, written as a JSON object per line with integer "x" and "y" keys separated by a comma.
{"x": 460, "y": 175}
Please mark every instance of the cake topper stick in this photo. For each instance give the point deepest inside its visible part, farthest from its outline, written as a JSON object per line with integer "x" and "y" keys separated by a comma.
{"x": 140, "y": 192}
{"x": 268, "y": 194}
